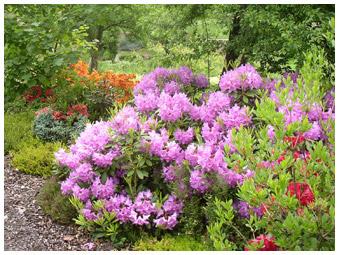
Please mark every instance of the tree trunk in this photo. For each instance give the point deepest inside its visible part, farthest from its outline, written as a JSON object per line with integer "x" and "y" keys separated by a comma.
{"x": 231, "y": 55}
{"x": 95, "y": 53}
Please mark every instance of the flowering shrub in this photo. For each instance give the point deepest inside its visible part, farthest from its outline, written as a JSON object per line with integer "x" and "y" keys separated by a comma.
{"x": 259, "y": 167}
{"x": 121, "y": 84}
{"x": 98, "y": 90}
{"x": 262, "y": 243}
{"x": 36, "y": 93}
{"x": 52, "y": 125}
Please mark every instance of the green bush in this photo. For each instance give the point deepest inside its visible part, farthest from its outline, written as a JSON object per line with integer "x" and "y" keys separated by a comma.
{"x": 54, "y": 204}
{"x": 35, "y": 157}
{"x": 171, "y": 243}
{"x": 48, "y": 129}
{"x": 18, "y": 127}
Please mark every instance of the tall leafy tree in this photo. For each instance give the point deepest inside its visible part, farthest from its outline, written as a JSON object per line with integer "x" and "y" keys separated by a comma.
{"x": 105, "y": 19}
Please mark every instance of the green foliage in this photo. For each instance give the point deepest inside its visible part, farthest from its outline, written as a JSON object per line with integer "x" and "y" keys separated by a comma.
{"x": 68, "y": 94}
{"x": 46, "y": 128}
{"x": 289, "y": 32}
{"x": 35, "y": 157}
{"x": 223, "y": 227}
{"x": 54, "y": 204}
{"x": 193, "y": 216}
{"x": 139, "y": 166}
{"x": 99, "y": 101}
{"x": 171, "y": 243}
{"x": 18, "y": 127}
{"x": 105, "y": 28}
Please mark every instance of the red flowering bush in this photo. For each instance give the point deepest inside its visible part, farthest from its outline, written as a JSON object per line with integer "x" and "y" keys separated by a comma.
{"x": 302, "y": 191}
{"x": 288, "y": 202}
{"x": 57, "y": 115}
{"x": 294, "y": 140}
{"x": 262, "y": 243}
{"x": 78, "y": 109}
{"x": 36, "y": 93}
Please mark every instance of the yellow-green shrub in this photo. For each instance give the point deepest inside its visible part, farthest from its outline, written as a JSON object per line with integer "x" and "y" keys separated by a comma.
{"x": 171, "y": 243}
{"x": 18, "y": 127}
{"x": 35, "y": 157}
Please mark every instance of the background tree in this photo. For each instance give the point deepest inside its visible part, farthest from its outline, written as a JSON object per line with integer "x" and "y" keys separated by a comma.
{"x": 105, "y": 22}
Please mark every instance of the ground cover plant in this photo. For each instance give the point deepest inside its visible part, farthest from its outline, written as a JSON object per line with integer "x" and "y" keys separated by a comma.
{"x": 255, "y": 151}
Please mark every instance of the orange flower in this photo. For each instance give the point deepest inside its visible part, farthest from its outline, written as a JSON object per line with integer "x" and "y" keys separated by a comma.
{"x": 81, "y": 68}
{"x": 108, "y": 80}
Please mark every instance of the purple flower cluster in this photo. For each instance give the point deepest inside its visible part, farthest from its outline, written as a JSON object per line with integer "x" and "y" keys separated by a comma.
{"x": 143, "y": 210}
{"x": 90, "y": 147}
{"x": 242, "y": 78}
{"x": 184, "y": 137}
{"x": 292, "y": 112}
{"x": 271, "y": 133}
{"x": 329, "y": 99}
{"x": 146, "y": 103}
{"x": 171, "y": 108}
{"x": 235, "y": 117}
{"x": 126, "y": 120}
{"x": 170, "y": 81}
{"x": 168, "y": 214}
{"x": 216, "y": 103}
{"x": 244, "y": 210}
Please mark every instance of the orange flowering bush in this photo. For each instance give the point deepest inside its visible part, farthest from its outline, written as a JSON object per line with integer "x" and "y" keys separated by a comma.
{"x": 121, "y": 84}
{"x": 98, "y": 90}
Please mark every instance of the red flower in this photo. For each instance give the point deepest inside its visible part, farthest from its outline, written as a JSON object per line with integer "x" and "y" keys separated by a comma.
{"x": 296, "y": 155}
{"x": 267, "y": 241}
{"x": 33, "y": 93}
{"x": 263, "y": 208}
{"x": 294, "y": 140}
{"x": 58, "y": 115}
{"x": 36, "y": 91}
{"x": 29, "y": 98}
{"x": 43, "y": 100}
{"x": 303, "y": 192}
{"x": 281, "y": 158}
{"x": 78, "y": 108}
{"x": 49, "y": 92}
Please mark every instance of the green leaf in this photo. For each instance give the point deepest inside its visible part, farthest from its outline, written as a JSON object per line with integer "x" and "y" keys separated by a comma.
{"x": 103, "y": 177}
{"x": 130, "y": 173}
{"x": 245, "y": 99}
{"x": 58, "y": 61}
{"x": 140, "y": 174}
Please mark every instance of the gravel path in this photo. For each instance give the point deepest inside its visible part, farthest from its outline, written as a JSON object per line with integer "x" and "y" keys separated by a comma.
{"x": 26, "y": 226}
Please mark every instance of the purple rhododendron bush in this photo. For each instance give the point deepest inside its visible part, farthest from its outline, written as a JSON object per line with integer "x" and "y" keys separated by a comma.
{"x": 245, "y": 165}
